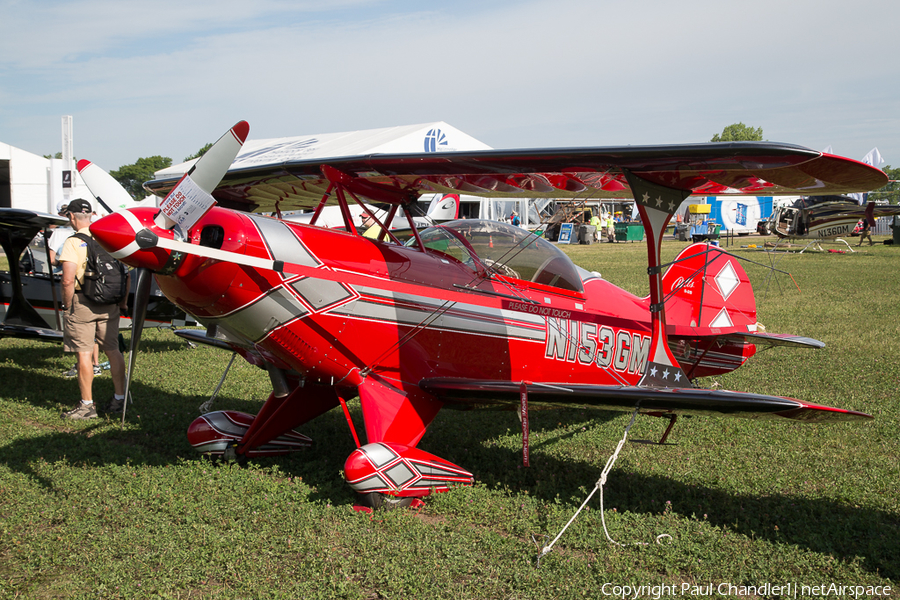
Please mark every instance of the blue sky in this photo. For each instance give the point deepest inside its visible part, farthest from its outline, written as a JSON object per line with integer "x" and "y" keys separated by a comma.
{"x": 165, "y": 77}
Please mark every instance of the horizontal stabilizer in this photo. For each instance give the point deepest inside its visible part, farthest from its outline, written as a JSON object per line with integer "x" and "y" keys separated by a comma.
{"x": 469, "y": 393}
{"x": 778, "y": 339}
{"x": 754, "y": 337}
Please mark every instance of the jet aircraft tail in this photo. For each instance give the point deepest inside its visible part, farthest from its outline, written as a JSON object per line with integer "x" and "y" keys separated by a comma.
{"x": 444, "y": 207}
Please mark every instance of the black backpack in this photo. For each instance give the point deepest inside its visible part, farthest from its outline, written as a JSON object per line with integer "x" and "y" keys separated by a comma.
{"x": 105, "y": 278}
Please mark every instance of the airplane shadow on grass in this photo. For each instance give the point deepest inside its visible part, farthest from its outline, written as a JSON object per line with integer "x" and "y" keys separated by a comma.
{"x": 156, "y": 437}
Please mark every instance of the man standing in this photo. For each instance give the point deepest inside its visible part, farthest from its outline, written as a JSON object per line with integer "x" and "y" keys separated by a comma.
{"x": 57, "y": 239}
{"x": 865, "y": 232}
{"x": 86, "y": 321}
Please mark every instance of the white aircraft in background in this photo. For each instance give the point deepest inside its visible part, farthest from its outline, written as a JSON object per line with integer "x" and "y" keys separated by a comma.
{"x": 822, "y": 218}
{"x": 443, "y": 207}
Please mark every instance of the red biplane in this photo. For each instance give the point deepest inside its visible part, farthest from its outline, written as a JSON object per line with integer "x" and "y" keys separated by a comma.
{"x": 467, "y": 314}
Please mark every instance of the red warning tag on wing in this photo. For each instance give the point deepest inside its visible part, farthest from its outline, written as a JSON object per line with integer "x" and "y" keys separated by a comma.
{"x": 186, "y": 203}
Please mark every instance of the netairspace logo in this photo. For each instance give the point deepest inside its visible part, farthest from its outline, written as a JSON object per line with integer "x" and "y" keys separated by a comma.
{"x": 730, "y": 590}
{"x": 434, "y": 140}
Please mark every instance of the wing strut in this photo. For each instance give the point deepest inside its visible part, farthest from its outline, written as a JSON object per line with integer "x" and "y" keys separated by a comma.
{"x": 656, "y": 205}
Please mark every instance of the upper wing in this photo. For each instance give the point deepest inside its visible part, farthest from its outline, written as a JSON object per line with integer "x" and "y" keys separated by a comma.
{"x": 749, "y": 168}
{"x": 469, "y": 393}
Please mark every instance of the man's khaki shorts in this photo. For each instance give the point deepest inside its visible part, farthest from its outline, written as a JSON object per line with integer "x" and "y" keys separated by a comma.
{"x": 85, "y": 321}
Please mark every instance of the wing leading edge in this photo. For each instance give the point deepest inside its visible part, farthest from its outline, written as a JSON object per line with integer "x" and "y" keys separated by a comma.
{"x": 470, "y": 394}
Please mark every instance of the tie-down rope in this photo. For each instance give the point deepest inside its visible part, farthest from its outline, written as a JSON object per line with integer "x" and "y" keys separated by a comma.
{"x": 599, "y": 486}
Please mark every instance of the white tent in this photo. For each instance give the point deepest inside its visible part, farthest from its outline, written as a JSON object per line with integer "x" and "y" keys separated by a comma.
{"x": 32, "y": 182}
{"x": 426, "y": 137}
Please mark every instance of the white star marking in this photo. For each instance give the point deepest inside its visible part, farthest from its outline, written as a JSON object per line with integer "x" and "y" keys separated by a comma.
{"x": 646, "y": 198}
{"x": 671, "y": 207}
{"x": 653, "y": 372}
{"x": 659, "y": 201}
{"x": 677, "y": 376}
{"x": 666, "y": 374}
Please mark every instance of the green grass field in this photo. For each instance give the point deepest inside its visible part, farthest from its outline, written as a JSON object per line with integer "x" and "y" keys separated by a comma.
{"x": 92, "y": 510}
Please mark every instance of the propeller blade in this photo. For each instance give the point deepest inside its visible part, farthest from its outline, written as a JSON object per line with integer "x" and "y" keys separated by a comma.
{"x": 188, "y": 201}
{"x": 141, "y": 300}
{"x": 104, "y": 187}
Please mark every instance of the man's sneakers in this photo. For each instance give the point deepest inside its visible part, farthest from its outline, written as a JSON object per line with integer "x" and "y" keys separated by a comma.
{"x": 115, "y": 405}
{"x": 89, "y": 411}
{"x": 81, "y": 412}
{"x": 73, "y": 372}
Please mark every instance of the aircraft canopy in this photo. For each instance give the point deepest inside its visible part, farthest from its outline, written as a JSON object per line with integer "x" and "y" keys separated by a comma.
{"x": 505, "y": 249}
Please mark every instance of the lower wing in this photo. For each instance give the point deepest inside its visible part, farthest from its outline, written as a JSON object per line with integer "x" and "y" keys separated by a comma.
{"x": 470, "y": 393}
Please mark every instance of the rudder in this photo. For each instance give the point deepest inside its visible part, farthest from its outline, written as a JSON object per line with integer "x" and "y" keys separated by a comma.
{"x": 706, "y": 287}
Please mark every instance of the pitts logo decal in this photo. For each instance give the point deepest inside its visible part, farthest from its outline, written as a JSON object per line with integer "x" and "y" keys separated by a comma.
{"x": 588, "y": 343}
{"x": 686, "y": 287}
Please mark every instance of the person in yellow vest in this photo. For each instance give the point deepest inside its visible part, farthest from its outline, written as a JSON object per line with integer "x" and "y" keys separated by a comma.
{"x": 598, "y": 225}
{"x": 610, "y": 229}
{"x": 373, "y": 229}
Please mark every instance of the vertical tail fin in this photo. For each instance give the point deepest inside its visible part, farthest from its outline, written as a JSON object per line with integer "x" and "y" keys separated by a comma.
{"x": 707, "y": 288}
{"x": 444, "y": 208}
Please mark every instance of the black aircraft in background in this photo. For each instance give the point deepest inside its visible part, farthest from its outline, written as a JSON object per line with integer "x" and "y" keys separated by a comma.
{"x": 30, "y": 296}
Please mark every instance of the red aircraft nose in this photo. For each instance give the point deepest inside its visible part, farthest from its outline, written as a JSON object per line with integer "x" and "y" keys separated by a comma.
{"x": 116, "y": 233}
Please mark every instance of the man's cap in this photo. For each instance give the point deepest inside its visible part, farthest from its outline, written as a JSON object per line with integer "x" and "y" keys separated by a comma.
{"x": 80, "y": 205}
{"x": 61, "y": 207}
